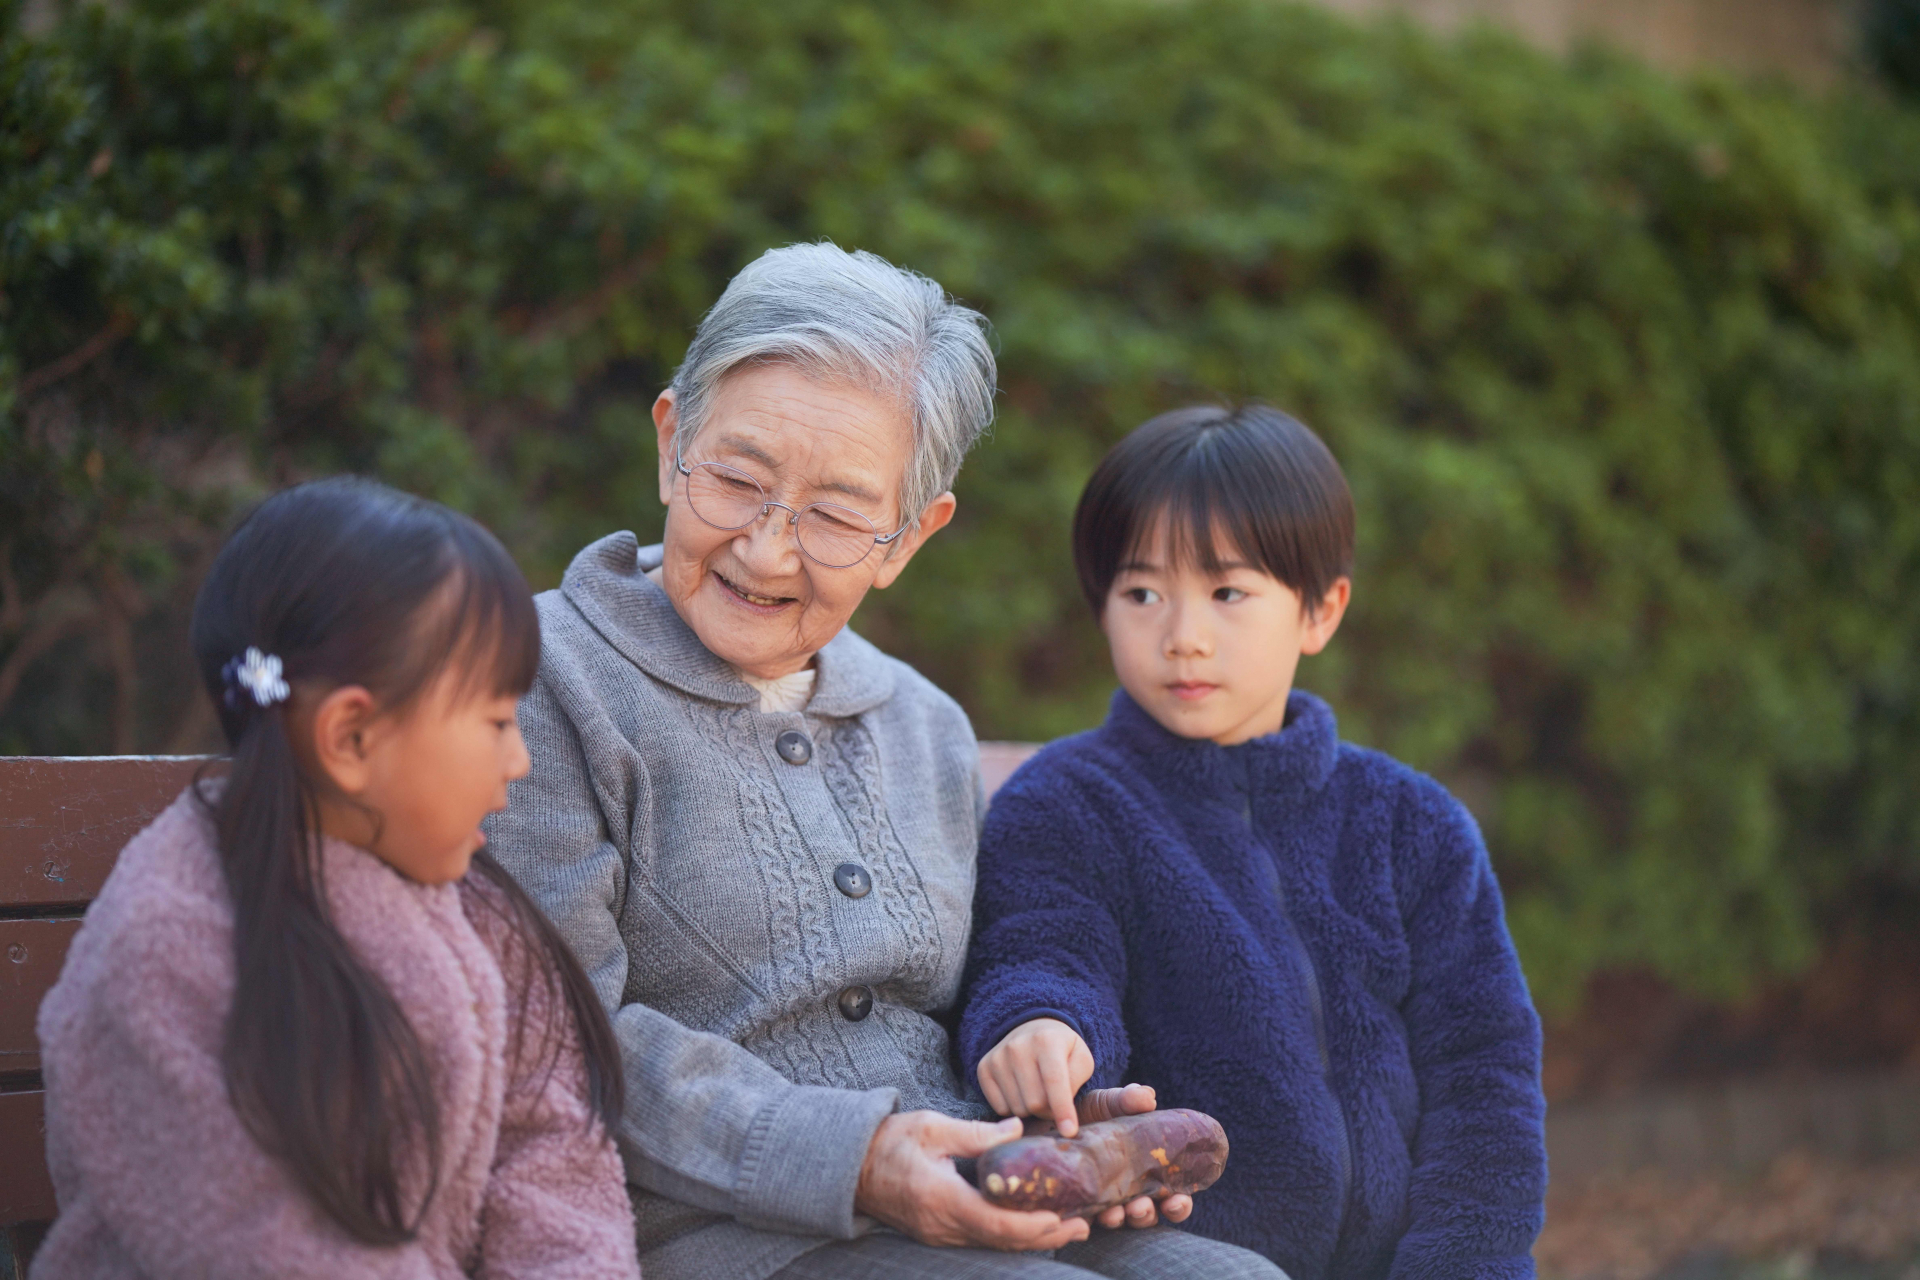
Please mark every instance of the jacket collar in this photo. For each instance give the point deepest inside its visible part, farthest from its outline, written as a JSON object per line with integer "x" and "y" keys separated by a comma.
{"x": 607, "y": 583}
{"x": 1301, "y": 755}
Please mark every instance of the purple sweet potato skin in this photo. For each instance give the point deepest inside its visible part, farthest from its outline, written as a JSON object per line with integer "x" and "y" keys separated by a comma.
{"x": 1158, "y": 1154}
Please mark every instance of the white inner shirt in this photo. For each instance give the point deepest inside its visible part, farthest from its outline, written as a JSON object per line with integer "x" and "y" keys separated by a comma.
{"x": 790, "y": 692}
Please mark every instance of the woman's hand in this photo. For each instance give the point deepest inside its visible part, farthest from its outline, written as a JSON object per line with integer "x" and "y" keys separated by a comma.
{"x": 908, "y": 1182}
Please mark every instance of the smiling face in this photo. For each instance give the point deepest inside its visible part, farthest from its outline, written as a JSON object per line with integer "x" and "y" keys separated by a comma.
{"x": 750, "y": 594}
{"x": 1211, "y": 655}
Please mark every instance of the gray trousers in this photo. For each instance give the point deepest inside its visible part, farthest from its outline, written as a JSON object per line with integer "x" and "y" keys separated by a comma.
{"x": 1124, "y": 1253}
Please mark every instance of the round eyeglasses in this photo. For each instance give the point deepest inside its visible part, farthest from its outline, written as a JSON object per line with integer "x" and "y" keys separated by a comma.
{"x": 830, "y": 535}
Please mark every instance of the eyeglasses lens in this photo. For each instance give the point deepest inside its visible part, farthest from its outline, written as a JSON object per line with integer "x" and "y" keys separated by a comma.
{"x": 834, "y": 536}
{"x": 723, "y": 497}
{"x": 831, "y": 535}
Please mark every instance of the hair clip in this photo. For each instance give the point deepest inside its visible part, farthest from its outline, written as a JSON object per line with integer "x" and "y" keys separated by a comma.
{"x": 259, "y": 674}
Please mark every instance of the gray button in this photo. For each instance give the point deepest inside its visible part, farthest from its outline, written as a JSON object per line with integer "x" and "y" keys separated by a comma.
{"x": 794, "y": 747}
{"x": 856, "y": 1003}
{"x": 852, "y": 879}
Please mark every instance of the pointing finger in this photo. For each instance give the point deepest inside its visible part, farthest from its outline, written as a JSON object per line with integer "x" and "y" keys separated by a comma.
{"x": 1053, "y": 1075}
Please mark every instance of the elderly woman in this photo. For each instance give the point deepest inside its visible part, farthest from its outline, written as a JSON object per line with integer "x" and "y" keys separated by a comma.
{"x": 758, "y": 832}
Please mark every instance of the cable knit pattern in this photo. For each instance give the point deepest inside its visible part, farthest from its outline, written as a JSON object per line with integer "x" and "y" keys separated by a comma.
{"x": 937, "y": 1086}
{"x": 924, "y": 977}
{"x": 691, "y": 868}
{"x": 806, "y": 965}
{"x": 855, "y": 781}
{"x": 156, "y": 1175}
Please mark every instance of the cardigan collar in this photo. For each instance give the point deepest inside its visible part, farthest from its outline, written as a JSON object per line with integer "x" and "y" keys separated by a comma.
{"x": 607, "y": 582}
{"x": 1301, "y": 754}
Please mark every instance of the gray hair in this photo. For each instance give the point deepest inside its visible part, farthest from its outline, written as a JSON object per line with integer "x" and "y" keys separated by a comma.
{"x": 856, "y": 318}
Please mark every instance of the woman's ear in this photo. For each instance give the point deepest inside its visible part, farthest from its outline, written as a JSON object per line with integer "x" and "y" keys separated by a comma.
{"x": 340, "y": 728}
{"x": 666, "y": 425}
{"x": 931, "y": 521}
{"x": 1325, "y": 619}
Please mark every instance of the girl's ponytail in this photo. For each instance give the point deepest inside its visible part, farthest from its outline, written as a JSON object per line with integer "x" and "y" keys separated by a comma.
{"x": 332, "y": 583}
{"x": 321, "y": 1064}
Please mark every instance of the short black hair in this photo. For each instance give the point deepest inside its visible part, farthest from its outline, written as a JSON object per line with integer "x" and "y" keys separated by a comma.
{"x": 1254, "y": 476}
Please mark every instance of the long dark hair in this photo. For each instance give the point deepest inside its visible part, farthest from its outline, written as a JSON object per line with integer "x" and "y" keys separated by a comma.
{"x": 349, "y": 582}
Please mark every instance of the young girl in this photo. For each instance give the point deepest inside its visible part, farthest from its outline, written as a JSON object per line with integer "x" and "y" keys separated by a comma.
{"x": 309, "y": 1028}
{"x": 1213, "y": 895}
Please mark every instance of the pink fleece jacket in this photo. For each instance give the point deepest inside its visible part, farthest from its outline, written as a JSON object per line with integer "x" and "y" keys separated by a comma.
{"x": 155, "y": 1174}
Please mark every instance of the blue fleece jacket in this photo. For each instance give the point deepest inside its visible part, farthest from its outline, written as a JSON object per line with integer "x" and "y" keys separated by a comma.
{"x": 1303, "y": 939}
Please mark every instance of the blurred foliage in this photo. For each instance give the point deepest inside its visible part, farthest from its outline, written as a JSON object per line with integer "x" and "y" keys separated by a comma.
{"x": 1890, "y": 34}
{"x": 1625, "y": 369}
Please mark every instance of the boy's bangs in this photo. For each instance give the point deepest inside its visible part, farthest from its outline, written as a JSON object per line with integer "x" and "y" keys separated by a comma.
{"x": 1216, "y": 487}
{"x": 1188, "y": 524}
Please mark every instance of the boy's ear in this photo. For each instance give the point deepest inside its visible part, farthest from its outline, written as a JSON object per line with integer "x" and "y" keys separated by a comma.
{"x": 1325, "y": 618}
{"x": 340, "y": 729}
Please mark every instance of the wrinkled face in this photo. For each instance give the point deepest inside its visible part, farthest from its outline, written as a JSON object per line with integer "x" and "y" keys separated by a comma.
{"x": 1211, "y": 655}
{"x": 749, "y": 593}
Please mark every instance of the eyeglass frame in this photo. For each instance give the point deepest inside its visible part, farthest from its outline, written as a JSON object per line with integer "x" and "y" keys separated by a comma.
{"x": 793, "y": 516}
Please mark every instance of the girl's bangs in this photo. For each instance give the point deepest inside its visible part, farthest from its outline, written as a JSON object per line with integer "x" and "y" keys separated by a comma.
{"x": 486, "y": 626}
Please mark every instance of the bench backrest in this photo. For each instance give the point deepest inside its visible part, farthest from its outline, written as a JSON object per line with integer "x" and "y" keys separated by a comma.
{"x": 62, "y": 824}
{"x": 63, "y": 821}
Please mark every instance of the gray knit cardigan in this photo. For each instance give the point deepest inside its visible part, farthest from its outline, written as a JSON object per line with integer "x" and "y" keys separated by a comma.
{"x": 691, "y": 867}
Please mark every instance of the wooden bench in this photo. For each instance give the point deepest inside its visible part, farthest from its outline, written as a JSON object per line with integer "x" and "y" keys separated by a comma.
{"x": 62, "y": 824}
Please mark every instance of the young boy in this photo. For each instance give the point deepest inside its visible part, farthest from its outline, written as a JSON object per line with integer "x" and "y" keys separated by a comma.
{"x": 1213, "y": 895}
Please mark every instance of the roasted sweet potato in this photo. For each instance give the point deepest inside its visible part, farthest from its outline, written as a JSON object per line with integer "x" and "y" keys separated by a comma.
{"x": 1158, "y": 1154}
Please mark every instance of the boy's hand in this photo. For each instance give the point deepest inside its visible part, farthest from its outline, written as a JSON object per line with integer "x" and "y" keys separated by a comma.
{"x": 1018, "y": 1076}
{"x": 1035, "y": 1070}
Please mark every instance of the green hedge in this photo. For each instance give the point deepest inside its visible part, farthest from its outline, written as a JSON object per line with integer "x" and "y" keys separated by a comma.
{"x": 1890, "y": 39}
{"x": 1625, "y": 370}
